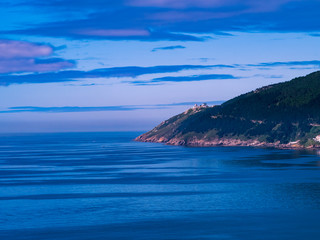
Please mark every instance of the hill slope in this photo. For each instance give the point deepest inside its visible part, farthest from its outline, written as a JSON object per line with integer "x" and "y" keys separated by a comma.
{"x": 280, "y": 115}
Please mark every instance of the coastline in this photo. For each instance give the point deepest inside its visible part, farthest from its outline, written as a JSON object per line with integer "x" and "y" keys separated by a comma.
{"x": 222, "y": 142}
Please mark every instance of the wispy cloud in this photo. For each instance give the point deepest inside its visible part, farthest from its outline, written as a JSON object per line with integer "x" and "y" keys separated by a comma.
{"x": 168, "y": 48}
{"x": 286, "y": 64}
{"x": 52, "y": 64}
{"x": 118, "y": 72}
{"x": 11, "y": 49}
{"x": 315, "y": 34}
{"x": 33, "y": 65}
{"x": 174, "y": 20}
{"x": 190, "y": 103}
{"x": 103, "y": 32}
{"x": 269, "y": 76}
{"x": 21, "y": 56}
{"x": 131, "y": 34}
{"x": 69, "y": 109}
{"x": 193, "y": 78}
{"x": 74, "y": 109}
{"x": 186, "y": 4}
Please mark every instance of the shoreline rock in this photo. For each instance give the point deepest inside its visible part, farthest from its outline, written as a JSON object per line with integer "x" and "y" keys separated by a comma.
{"x": 222, "y": 142}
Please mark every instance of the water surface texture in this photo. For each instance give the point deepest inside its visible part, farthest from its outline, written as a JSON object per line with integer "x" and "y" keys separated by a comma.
{"x": 105, "y": 186}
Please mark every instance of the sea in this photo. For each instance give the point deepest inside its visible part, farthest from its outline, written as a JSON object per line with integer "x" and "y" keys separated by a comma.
{"x": 104, "y": 185}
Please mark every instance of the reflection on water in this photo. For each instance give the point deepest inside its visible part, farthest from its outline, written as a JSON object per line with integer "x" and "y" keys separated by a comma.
{"x": 105, "y": 186}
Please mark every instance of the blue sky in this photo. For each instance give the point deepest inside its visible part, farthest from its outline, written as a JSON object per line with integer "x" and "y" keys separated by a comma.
{"x": 97, "y": 65}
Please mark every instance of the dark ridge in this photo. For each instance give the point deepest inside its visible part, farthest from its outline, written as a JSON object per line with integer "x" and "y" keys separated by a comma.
{"x": 284, "y": 115}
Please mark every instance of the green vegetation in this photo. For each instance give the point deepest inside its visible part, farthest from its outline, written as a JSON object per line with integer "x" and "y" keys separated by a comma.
{"x": 280, "y": 113}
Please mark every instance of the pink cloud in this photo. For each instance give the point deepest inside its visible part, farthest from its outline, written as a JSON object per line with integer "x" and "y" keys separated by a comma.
{"x": 114, "y": 32}
{"x": 30, "y": 65}
{"x": 176, "y": 16}
{"x": 19, "y": 49}
{"x": 179, "y": 3}
{"x": 199, "y": 10}
{"x": 252, "y": 5}
{"x": 22, "y": 56}
{"x": 270, "y": 5}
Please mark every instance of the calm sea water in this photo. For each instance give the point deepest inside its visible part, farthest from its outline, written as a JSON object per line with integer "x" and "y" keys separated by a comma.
{"x": 105, "y": 186}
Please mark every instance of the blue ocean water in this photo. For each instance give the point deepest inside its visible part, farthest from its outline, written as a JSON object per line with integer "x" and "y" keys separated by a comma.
{"x": 106, "y": 186}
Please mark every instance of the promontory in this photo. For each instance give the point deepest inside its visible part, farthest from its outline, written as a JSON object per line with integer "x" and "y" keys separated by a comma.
{"x": 283, "y": 115}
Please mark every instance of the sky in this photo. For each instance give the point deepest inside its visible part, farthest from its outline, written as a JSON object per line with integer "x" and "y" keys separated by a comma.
{"x": 127, "y": 65}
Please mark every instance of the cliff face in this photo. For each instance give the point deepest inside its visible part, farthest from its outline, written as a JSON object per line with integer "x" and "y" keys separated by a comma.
{"x": 281, "y": 115}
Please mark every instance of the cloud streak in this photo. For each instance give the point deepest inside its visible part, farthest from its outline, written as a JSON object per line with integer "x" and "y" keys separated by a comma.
{"x": 76, "y": 109}
{"x": 11, "y": 49}
{"x": 168, "y": 48}
{"x": 287, "y": 64}
{"x": 52, "y": 64}
{"x": 174, "y": 20}
{"x": 32, "y": 65}
{"x": 115, "y": 72}
{"x": 68, "y": 109}
{"x": 193, "y": 78}
{"x": 254, "y": 6}
{"x": 141, "y": 33}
